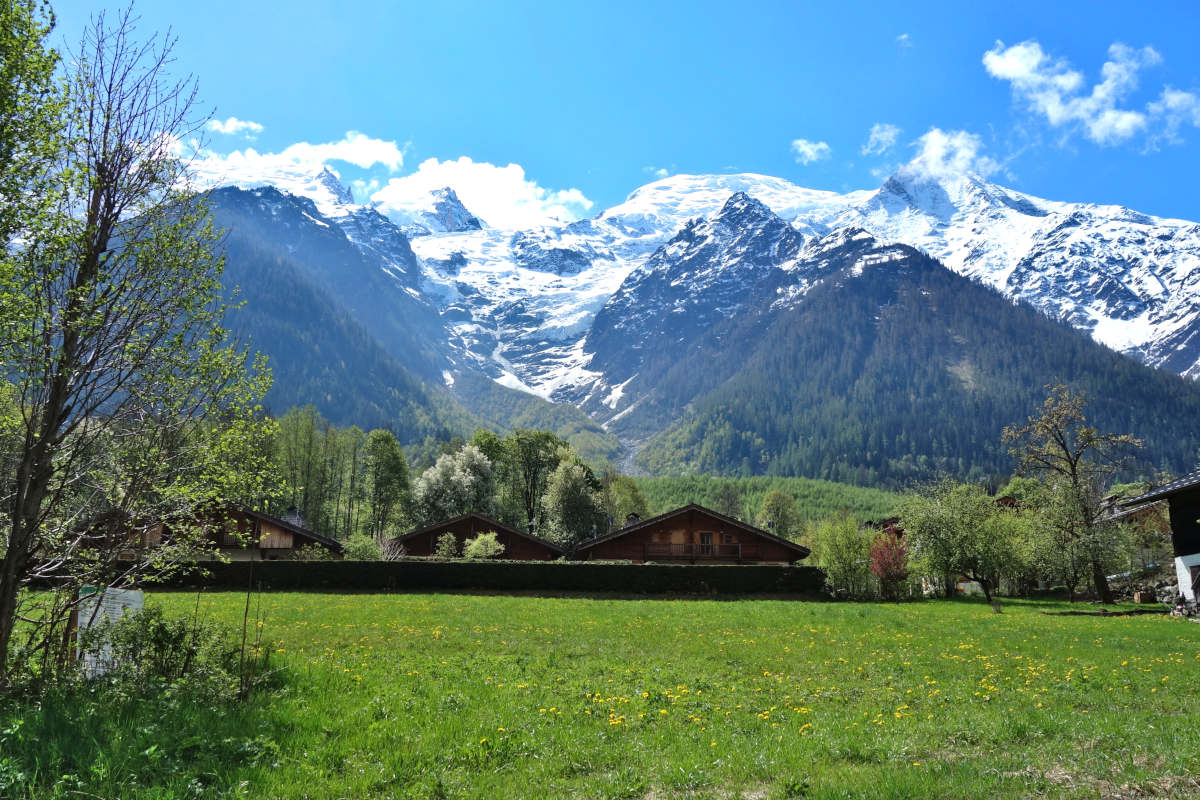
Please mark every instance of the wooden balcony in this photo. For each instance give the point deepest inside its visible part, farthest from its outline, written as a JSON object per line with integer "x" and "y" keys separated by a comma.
{"x": 699, "y": 552}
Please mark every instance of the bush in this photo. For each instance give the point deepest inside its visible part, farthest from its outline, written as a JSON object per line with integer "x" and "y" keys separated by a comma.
{"x": 447, "y": 546}
{"x": 889, "y": 563}
{"x": 310, "y": 552}
{"x": 485, "y": 545}
{"x": 146, "y": 650}
{"x": 843, "y": 551}
{"x": 361, "y": 547}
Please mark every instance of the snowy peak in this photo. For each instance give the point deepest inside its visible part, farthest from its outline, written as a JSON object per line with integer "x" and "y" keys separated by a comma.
{"x": 446, "y": 213}
{"x": 327, "y": 181}
{"x": 428, "y": 213}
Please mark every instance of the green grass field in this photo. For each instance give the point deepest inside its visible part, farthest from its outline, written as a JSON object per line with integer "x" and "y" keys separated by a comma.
{"x": 430, "y": 696}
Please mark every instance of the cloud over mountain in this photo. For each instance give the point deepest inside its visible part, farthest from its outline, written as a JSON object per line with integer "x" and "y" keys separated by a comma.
{"x": 503, "y": 196}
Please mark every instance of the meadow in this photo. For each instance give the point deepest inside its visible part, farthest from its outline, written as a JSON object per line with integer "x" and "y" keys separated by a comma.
{"x": 476, "y": 696}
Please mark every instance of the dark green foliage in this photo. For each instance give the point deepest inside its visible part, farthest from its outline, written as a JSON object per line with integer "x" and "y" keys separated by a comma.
{"x": 506, "y": 409}
{"x": 513, "y": 576}
{"x": 321, "y": 356}
{"x": 815, "y": 499}
{"x": 146, "y": 651}
{"x": 902, "y": 373}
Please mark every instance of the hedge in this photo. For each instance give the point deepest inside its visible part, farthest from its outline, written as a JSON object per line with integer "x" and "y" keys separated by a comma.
{"x": 507, "y": 576}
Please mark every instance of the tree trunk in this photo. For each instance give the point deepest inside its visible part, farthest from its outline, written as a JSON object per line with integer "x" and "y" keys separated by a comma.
{"x": 1105, "y": 594}
{"x": 33, "y": 477}
{"x": 984, "y": 584}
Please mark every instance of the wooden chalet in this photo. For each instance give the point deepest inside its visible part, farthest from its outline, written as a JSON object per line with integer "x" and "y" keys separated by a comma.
{"x": 238, "y": 533}
{"x": 695, "y": 535}
{"x": 1183, "y": 499}
{"x": 244, "y": 535}
{"x": 518, "y": 545}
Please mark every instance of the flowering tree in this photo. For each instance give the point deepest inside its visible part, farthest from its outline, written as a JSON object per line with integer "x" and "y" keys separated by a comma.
{"x": 889, "y": 562}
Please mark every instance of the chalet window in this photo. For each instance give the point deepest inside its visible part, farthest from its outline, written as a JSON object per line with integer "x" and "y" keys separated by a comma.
{"x": 727, "y": 538}
{"x": 706, "y": 544}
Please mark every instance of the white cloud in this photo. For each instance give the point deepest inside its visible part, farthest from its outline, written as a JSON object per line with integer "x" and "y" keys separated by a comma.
{"x": 949, "y": 154}
{"x": 1175, "y": 108}
{"x": 881, "y": 139}
{"x": 235, "y": 127}
{"x": 1052, "y": 88}
{"x": 658, "y": 172}
{"x": 904, "y": 40}
{"x": 503, "y": 197}
{"x": 298, "y": 168}
{"x": 807, "y": 152}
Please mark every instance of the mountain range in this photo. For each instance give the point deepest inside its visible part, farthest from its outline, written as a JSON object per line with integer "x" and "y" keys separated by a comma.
{"x": 728, "y": 323}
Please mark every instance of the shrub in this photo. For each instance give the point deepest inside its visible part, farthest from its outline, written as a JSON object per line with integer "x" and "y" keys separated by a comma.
{"x": 889, "y": 563}
{"x": 485, "y": 545}
{"x": 361, "y": 547}
{"x": 146, "y": 650}
{"x": 447, "y": 546}
{"x": 310, "y": 552}
{"x": 843, "y": 550}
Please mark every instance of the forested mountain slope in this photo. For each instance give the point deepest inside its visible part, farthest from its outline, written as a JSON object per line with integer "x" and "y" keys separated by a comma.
{"x": 894, "y": 369}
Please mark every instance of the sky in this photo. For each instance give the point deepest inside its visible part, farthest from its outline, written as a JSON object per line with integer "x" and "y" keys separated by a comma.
{"x": 540, "y": 110}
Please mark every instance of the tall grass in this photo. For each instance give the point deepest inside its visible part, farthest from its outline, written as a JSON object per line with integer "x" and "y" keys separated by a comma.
{"x": 426, "y": 696}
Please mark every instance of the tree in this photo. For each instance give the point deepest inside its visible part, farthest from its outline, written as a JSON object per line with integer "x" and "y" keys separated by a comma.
{"x": 842, "y": 548}
{"x": 387, "y": 475}
{"x": 727, "y": 499}
{"x": 132, "y": 397}
{"x": 778, "y": 514}
{"x": 30, "y": 110}
{"x": 572, "y": 506}
{"x": 483, "y": 546}
{"x": 957, "y": 529}
{"x": 1059, "y": 443}
{"x": 458, "y": 483}
{"x": 620, "y": 497}
{"x": 530, "y": 458}
{"x": 889, "y": 562}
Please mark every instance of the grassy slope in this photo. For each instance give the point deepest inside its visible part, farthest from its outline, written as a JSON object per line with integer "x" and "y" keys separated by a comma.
{"x": 815, "y": 499}
{"x": 492, "y": 697}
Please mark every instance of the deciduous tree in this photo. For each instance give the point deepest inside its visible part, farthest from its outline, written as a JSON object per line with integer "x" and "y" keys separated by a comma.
{"x": 778, "y": 513}
{"x": 1059, "y": 443}
{"x": 131, "y": 397}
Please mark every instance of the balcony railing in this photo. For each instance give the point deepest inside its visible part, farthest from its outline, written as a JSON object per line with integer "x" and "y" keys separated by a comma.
{"x": 694, "y": 552}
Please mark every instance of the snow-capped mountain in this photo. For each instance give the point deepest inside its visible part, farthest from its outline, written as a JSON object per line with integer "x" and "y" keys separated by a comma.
{"x": 1128, "y": 279}
{"x": 439, "y": 211}
{"x": 521, "y": 305}
{"x": 732, "y": 322}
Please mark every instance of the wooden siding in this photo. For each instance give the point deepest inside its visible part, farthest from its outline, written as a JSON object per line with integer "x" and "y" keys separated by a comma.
{"x": 275, "y": 538}
{"x": 692, "y": 537}
{"x": 516, "y": 547}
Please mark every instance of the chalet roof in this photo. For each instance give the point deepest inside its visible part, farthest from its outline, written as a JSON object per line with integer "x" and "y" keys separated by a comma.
{"x": 487, "y": 522}
{"x": 1131, "y": 511}
{"x": 1166, "y": 490}
{"x": 730, "y": 521}
{"x": 296, "y": 530}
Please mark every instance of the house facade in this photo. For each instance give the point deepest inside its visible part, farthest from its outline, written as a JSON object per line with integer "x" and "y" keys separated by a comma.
{"x": 1183, "y": 499}
{"x": 518, "y": 545}
{"x": 237, "y": 533}
{"x": 692, "y": 534}
{"x": 244, "y": 535}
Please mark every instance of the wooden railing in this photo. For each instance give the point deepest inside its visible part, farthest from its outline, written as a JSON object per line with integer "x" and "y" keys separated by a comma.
{"x": 695, "y": 552}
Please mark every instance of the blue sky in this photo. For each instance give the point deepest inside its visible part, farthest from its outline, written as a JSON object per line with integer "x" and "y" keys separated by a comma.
{"x": 591, "y": 100}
